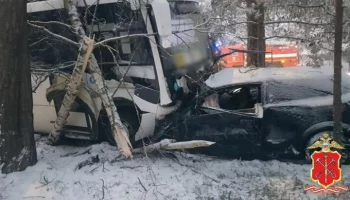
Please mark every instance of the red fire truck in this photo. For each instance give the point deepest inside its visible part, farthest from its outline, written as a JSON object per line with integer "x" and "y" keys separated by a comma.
{"x": 282, "y": 55}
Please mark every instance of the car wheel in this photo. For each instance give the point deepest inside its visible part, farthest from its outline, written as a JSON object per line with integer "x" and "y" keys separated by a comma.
{"x": 129, "y": 120}
{"x": 308, "y": 152}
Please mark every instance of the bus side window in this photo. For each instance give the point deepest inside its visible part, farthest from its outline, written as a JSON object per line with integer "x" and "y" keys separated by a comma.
{"x": 125, "y": 44}
{"x": 47, "y": 49}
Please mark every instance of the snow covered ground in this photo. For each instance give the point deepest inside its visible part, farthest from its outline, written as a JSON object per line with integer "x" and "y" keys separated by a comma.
{"x": 184, "y": 176}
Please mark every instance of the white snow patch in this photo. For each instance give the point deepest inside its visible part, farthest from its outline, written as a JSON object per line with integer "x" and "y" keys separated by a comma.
{"x": 23, "y": 153}
{"x": 186, "y": 177}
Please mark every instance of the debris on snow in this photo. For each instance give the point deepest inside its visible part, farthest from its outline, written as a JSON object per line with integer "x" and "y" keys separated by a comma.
{"x": 170, "y": 144}
{"x": 92, "y": 160}
{"x": 187, "y": 177}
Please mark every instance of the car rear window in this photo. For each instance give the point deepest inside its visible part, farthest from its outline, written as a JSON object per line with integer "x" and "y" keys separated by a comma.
{"x": 278, "y": 91}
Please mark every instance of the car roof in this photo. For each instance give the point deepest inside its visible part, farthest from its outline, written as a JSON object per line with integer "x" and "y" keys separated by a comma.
{"x": 245, "y": 75}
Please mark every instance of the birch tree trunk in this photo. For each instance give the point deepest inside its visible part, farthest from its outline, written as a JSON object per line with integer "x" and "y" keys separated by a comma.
{"x": 170, "y": 144}
{"x": 72, "y": 89}
{"x": 120, "y": 134}
{"x": 17, "y": 146}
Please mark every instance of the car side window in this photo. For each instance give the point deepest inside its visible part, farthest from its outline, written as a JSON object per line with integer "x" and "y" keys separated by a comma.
{"x": 242, "y": 99}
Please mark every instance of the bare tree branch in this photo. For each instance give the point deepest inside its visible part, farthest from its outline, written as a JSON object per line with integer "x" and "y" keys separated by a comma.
{"x": 54, "y": 35}
{"x": 121, "y": 37}
{"x": 297, "y": 22}
{"x": 298, "y": 5}
{"x": 51, "y": 22}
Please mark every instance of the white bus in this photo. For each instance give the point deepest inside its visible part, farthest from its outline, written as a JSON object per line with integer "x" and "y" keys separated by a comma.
{"x": 154, "y": 65}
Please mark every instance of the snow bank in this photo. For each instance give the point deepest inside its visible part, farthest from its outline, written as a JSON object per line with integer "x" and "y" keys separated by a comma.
{"x": 184, "y": 177}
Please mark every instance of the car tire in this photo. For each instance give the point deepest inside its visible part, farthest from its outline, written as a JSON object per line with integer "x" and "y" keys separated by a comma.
{"x": 344, "y": 153}
{"x": 130, "y": 121}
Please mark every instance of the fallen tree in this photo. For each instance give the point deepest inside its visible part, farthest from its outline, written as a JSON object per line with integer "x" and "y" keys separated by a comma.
{"x": 72, "y": 90}
{"x": 120, "y": 134}
{"x": 170, "y": 144}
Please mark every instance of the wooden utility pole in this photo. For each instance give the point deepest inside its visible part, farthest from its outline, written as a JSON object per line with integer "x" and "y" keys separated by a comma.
{"x": 337, "y": 103}
{"x": 17, "y": 146}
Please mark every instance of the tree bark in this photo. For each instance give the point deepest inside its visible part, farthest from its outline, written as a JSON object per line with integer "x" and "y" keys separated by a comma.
{"x": 73, "y": 89}
{"x": 256, "y": 34}
{"x": 17, "y": 145}
{"x": 118, "y": 129}
{"x": 348, "y": 59}
{"x": 337, "y": 103}
{"x": 252, "y": 30}
{"x": 261, "y": 35}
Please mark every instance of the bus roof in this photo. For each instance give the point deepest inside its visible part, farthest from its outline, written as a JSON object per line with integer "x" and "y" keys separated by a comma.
{"x": 59, "y": 4}
{"x": 197, "y": 1}
{"x": 47, "y": 5}
{"x": 160, "y": 7}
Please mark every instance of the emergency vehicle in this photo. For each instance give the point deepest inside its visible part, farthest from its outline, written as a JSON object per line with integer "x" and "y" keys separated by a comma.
{"x": 276, "y": 54}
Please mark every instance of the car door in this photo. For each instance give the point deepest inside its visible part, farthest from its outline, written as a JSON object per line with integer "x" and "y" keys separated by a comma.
{"x": 232, "y": 130}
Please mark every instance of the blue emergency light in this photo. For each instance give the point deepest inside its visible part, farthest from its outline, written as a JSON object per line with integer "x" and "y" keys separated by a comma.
{"x": 218, "y": 44}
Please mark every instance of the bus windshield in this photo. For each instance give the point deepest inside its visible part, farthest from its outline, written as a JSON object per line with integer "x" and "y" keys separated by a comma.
{"x": 187, "y": 47}
{"x": 117, "y": 19}
{"x": 184, "y": 7}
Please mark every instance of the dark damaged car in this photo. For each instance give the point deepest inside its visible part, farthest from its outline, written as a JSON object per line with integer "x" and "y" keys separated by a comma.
{"x": 272, "y": 113}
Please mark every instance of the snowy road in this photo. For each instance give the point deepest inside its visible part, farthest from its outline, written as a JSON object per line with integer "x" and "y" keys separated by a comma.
{"x": 184, "y": 177}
